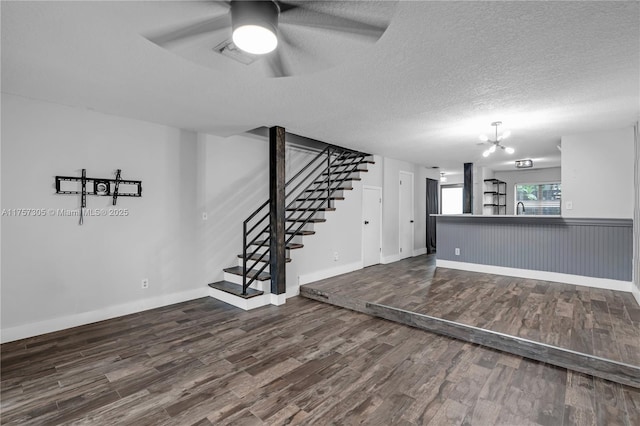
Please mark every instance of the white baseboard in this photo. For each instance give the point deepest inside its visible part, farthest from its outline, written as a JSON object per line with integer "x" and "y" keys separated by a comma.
{"x": 278, "y": 299}
{"x": 418, "y": 252}
{"x": 328, "y": 273}
{"x": 390, "y": 259}
{"x": 396, "y": 257}
{"x": 604, "y": 283}
{"x": 636, "y": 293}
{"x": 251, "y": 303}
{"x": 83, "y": 318}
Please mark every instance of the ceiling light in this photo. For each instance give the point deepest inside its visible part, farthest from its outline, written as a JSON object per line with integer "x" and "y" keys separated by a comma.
{"x": 524, "y": 164}
{"x": 495, "y": 143}
{"x": 443, "y": 178}
{"x": 255, "y": 26}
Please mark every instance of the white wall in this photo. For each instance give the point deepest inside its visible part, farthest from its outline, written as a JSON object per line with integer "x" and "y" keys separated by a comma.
{"x": 57, "y": 274}
{"x": 479, "y": 176}
{"x": 597, "y": 174}
{"x": 234, "y": 182}
{"x": 390, "y": 208}
{"x": 551, "y": 174}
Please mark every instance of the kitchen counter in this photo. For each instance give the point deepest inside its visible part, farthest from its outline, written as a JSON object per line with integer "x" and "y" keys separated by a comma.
{"x": 583, "y": 251}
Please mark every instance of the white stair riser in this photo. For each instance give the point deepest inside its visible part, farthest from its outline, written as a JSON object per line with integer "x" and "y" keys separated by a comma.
{"x": 258, "y": 285}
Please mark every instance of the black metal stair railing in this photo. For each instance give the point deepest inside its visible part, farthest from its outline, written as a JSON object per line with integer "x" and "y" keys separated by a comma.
{"x": 331, "y": 167}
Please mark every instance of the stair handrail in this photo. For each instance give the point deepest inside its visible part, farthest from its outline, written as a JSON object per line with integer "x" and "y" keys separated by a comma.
{"x": 339, "y": 153}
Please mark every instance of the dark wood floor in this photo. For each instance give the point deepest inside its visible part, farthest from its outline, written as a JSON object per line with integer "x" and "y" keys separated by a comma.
{"x": 204, "y": 362}
{"x": 593, "y": 321}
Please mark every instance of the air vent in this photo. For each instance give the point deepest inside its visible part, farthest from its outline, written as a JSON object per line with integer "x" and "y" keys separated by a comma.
{"x": 228, "y": 49}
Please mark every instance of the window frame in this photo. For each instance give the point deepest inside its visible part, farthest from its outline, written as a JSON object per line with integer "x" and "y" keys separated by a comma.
{"x": 538, "y": 183}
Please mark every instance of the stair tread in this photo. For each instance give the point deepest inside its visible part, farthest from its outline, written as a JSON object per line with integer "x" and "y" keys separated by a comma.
{"x": 235, "y": 289}
{"x": 237, "y": 270}
{"x": 345, "y": 172}
{"x": 311, "y": 220}
{"x": 264, "y": 259}
{"x": 290, "y": 246}
{"x": 319, "y": 198}
{"x": 346, "y": 188}
{"x": 321, "y": 209}
{"x": 301, "y": 232}
{"x": 345, "y": 180}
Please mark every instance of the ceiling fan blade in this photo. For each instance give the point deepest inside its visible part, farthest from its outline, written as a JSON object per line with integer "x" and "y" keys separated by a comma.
{"x": 325, "y": 20}
{"x": 286, "y": 6}
{"x": 277, "y": 67}
{"x": 285, "y": 39}
{"x": 184, "y": 33}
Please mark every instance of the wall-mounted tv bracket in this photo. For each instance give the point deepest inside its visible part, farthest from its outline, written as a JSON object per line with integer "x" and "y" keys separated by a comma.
{"x": 99, "y": 186}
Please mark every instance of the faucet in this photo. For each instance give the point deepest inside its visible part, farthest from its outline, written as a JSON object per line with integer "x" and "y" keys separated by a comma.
{"x": 520, "y": 203}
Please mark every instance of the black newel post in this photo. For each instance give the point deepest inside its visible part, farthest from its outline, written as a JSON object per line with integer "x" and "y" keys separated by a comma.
{"x": 277, "y": 209}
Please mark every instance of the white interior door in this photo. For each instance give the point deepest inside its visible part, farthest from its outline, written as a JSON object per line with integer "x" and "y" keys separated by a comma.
{"x": 371, "y": 225}
{"x": 406, "y": 215}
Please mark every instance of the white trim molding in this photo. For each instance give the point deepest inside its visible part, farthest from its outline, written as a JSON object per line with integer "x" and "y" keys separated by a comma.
{"x": 604, "y": 283}
{"x": 83, "y": 318}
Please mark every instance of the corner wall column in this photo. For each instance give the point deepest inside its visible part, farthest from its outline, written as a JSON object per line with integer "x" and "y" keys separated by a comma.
{"x": 277, "y": 209}
{"x": 467, "y": 189}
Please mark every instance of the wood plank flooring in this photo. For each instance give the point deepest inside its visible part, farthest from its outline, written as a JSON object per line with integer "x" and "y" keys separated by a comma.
{"x": 602, "y": 323}
{"x": 204, "y": 362}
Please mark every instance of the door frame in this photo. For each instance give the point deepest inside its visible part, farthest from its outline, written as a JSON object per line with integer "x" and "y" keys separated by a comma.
{"x": 379, "y": 189}
{"x": 413, "y": 207}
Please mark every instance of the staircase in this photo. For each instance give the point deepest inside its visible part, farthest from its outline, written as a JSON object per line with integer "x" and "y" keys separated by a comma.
{"x": 309, "y": 194}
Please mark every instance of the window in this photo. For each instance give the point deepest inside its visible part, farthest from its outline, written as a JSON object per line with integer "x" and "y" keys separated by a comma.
{"x": 538, "y": 198}
{"x": 451, "y": 199}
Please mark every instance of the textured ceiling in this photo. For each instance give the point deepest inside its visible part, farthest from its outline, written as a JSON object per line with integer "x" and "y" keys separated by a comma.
{"x": 435, "y": 80}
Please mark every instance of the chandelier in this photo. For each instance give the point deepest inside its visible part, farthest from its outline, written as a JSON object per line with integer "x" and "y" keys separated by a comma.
{"x": 495, "y": 143}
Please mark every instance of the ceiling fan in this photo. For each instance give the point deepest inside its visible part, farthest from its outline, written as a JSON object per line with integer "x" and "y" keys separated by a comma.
{"x": 257, "y": 34}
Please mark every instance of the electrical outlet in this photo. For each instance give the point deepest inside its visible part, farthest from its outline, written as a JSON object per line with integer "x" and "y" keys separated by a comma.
{"x": 145, "y": 283}
{"x": 569, "y": 205}
{"x": 457, "y": 251}
{"x": 335, "y": 256}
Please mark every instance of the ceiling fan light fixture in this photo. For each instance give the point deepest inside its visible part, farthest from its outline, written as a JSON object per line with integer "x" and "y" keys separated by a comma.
{"x": 255, "y": 26}
{"x": 255, "y": 39}
{"x": 495, "y": 143}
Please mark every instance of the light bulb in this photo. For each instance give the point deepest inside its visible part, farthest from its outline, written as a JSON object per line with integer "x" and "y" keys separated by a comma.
{"x": 486, "y": 153}
{"x": 255, "y": 39}
{"x": 509, "y": 150}
{"x": 484, "y": 138}
{"x": 492, "y": 149}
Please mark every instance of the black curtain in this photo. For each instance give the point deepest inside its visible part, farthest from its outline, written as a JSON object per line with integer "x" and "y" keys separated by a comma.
{"x": 432, "y": 208}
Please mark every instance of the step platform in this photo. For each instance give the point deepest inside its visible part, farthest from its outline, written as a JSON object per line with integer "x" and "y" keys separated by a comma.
{"x": 235, "y": 289}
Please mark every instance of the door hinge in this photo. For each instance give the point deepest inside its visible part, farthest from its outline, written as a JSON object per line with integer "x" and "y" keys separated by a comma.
{"x": 400, "y": 249}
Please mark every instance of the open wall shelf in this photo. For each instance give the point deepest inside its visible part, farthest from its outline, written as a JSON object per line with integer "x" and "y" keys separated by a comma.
{"x": 495, "y": 197}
